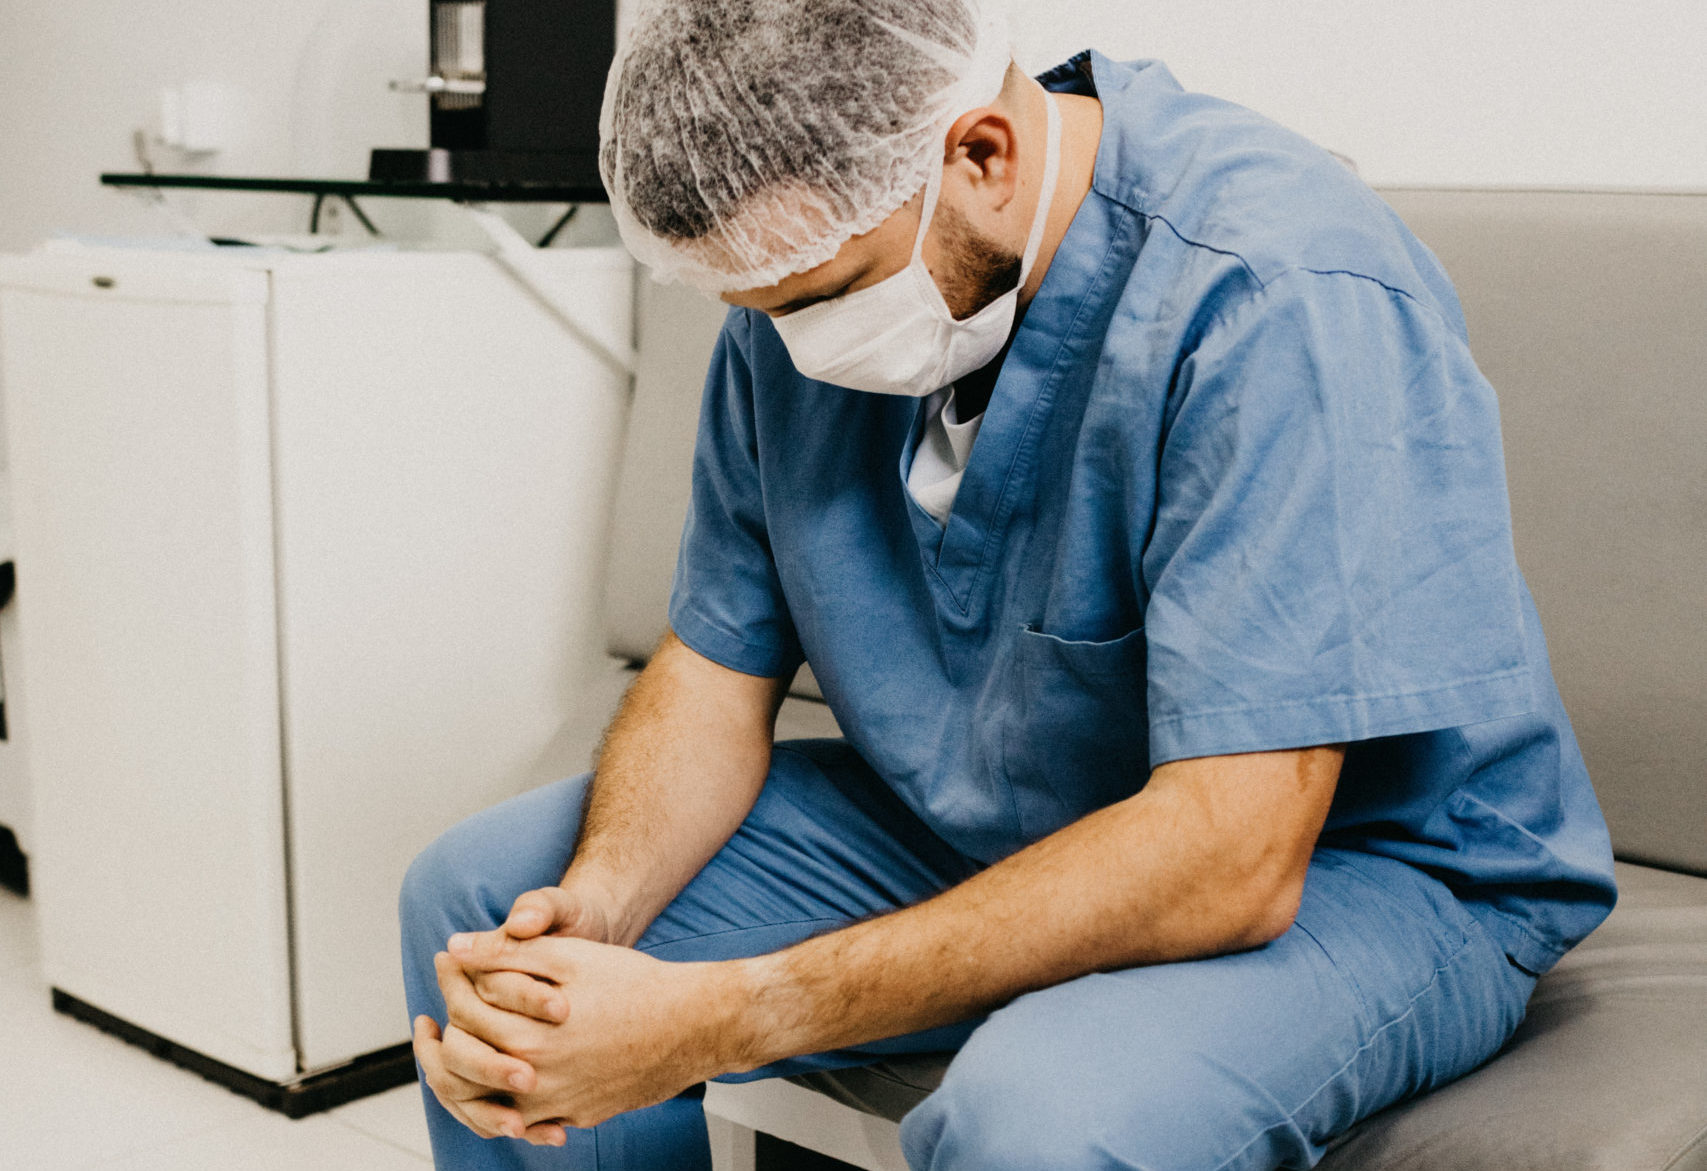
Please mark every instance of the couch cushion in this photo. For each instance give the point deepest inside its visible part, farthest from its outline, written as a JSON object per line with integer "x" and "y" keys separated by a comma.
{"x": 1607, "y": 1073}
{"x": 888, "y": 1088}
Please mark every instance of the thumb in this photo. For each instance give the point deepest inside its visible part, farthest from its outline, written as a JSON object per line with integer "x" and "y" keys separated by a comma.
{"x": 538, "y": 911}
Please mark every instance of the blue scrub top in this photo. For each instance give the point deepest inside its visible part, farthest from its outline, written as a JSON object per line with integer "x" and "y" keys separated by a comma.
{"x": 1239, "y": 487}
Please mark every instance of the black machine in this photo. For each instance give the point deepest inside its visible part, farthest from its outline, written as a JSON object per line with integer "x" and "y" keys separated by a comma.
{"x": 514, "y": 90}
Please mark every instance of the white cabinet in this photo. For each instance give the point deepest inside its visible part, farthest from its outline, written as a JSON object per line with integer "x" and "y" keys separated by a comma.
{"x": 308, "y": 552}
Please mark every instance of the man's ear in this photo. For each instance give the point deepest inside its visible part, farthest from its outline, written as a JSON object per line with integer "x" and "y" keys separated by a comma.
{"x": 981, "y": 149}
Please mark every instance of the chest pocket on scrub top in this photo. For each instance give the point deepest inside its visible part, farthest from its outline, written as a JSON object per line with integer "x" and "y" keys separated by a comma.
{"x": 1078, "y": 736}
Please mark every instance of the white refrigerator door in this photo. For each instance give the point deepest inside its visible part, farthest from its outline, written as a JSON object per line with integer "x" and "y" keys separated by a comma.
{"x": 136, "y": 405}
{"x": 445, "y": 453}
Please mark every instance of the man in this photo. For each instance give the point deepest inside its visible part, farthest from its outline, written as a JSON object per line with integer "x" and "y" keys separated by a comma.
{"x": 1118, "y": 462}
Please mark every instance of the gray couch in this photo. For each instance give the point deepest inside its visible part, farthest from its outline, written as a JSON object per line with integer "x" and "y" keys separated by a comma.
{"x": 1588, "y": 312}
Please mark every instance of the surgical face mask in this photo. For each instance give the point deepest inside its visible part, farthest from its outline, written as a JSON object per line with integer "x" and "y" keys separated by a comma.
{"x": 898, "y": 335}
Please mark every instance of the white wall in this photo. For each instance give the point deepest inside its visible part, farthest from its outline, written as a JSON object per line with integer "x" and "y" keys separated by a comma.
{"x": 1476, "y": 92}
{"x": 1433, "y": 92}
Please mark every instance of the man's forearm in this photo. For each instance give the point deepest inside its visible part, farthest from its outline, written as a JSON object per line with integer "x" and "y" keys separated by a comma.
{"x": 681, "y": 766}
{"x": 1156, "y": 878}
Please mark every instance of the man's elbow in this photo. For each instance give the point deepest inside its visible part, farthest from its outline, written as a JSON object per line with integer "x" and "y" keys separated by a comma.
{"x": 1270, "y": 911}
{"x": 1273, "y": 888}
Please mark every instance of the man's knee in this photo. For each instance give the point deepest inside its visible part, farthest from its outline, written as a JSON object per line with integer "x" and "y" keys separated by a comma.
{"x": 440, "y": 885}
{"x": 466, "y": 879}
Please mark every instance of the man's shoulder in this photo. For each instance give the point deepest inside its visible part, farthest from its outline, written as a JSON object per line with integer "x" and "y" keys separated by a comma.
{"x": 1210, "y": 175}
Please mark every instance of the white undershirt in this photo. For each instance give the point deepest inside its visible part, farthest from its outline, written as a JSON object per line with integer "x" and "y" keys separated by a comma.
{"x": 940, "y": 459}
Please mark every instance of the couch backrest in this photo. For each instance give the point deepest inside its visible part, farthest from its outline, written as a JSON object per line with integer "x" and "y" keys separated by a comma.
{"x": 1588, "y": 313}
{"x": 677, "y": 328}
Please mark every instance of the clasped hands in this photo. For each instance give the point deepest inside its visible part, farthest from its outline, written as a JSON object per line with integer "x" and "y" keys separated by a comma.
{"x": 551, "y": 1025}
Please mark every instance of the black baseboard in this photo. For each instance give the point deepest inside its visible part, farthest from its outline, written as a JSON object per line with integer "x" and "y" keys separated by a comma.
{"x": 14, "y": 867}
{"x": 370, "y": 1073}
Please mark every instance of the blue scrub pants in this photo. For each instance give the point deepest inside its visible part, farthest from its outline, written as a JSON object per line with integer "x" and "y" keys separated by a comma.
{"x": 1384, "y": 987}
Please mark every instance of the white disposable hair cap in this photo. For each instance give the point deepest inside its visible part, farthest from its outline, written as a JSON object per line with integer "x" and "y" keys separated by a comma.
{"x": 743, "y": 141}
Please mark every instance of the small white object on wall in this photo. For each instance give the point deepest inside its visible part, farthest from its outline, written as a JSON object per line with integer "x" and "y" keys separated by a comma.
{"x": 197, "y": 117}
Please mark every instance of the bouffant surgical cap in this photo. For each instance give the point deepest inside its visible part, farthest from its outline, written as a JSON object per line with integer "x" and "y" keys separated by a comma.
{"x": 743, "y": 141}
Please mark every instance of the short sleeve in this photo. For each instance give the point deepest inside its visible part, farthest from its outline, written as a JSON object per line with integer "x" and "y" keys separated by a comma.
{"x": 1331, "y": 559}
{"x": 726, "y": 601}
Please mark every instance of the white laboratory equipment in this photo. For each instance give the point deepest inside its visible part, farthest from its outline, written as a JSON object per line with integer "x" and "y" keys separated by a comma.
{"x": 308, "y": 554}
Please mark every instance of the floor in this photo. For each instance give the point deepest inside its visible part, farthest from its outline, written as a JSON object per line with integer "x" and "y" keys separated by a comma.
{"x": 71, "y": 1097}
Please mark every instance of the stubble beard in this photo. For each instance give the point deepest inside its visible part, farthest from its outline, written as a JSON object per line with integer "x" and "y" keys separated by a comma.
{"x": 981, "y": 269}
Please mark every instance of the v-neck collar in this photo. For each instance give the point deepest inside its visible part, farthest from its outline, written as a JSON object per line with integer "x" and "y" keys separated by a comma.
{"x": 1003, "y": 461}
